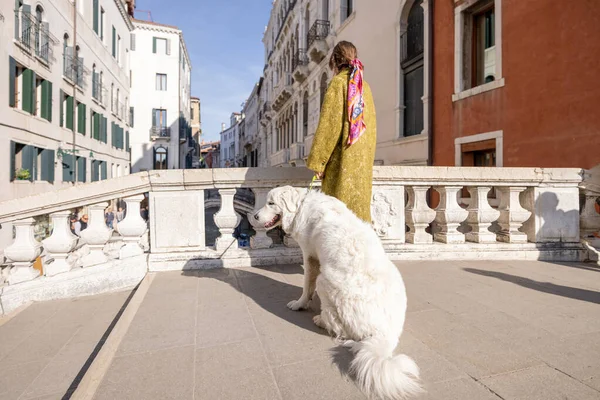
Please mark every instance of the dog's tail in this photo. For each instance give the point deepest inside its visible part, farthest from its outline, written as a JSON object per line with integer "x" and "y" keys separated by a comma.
{"x": 382, "y": 375}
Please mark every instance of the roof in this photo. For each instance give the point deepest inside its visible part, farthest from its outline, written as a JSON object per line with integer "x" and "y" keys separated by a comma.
{"x": 141, "y": 21}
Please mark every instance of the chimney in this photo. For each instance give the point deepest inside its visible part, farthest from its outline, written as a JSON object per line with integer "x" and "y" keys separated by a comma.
{"x": 222, "y": 126}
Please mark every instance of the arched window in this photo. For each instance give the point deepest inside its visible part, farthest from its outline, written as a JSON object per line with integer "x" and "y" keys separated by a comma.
{"x": 18, "y": 12}
{"x": 323, "y": 88}
{"x": 412, "y": 67}
{"x": 160, "y": 158}
{"x": 39, "y": 15}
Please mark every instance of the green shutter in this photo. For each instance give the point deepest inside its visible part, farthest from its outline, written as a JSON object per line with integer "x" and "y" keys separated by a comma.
{"x": 28, "y": 163}
{"x": 17, "y": 6}
{"x": 81, "y": 118}
{"x": 28, "y": 82}
{"x": 81, "y": 169}
{"x": 43, "y": 107}
{"x": 103, "y": 170}
{"x": 47, "y": 165}
{"x": 96, "y": 126}
{"x": 67, "y": 165}
{"x": 70, "y": 109}
{"x": 127, "y": 141}
{"x": 12, "y": 165}
{"x": 95, "y": 11}
{"x": 154, "y": 45}
{"x": 12, "y": 88}
{"x": 104, "y": 129}
{"x": 61, "y": 108}
{"x": 114, "y": 42}
{"x": 48, "y": 100}
{"x": 131, "y": 116}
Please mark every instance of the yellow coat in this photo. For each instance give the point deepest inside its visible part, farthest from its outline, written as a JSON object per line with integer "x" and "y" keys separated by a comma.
{"x": 348, "y": 169}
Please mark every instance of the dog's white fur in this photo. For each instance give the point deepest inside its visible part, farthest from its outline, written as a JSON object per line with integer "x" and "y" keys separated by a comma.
{"x": 363, "y": 299}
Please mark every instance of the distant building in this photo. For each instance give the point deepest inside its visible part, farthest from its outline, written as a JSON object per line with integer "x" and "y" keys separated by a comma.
{"x": 196, "y": 121}
{"x": 210, "y": 154}
{"x": 230, "y": 142}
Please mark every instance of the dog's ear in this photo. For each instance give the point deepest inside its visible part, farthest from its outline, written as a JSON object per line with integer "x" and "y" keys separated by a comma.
{"x": 289, "y": 198}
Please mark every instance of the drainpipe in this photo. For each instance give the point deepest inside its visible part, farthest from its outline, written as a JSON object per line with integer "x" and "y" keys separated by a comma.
{"x": 76, "y": 62}
{"x": 430, "y": 73}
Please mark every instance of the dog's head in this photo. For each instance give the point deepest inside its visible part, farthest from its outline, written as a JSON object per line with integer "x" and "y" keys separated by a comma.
{"x": 280, "y": 208}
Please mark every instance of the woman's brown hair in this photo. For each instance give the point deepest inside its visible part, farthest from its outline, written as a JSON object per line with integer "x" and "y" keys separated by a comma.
{"x": 343, "y": 53}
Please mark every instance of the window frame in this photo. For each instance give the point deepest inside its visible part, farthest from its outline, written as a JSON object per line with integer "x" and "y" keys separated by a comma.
{"x": 160, "y": 87}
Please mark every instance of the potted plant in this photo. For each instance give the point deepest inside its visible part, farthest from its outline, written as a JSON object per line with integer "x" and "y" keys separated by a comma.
{"x": 23, "y": 174}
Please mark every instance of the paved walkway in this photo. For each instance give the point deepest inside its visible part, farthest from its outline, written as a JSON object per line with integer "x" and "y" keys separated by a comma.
{"x": 478, "y": 330}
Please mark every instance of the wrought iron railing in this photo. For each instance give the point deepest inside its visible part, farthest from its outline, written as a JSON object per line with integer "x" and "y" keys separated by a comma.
{"x": 411, "y": 43}
{"x": 160, "y": 131}
{"x": 34, "y": 35}
{"x": 318, "y": 31}
{"x": 299, "y": 59}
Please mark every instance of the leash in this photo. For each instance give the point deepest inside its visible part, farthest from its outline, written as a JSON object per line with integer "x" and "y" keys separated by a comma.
{"x": 312, "y": 182}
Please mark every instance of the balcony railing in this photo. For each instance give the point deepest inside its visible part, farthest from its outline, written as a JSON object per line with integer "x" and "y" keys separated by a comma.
{"x": 318, "y": 31}
{"x": 297, "y": 151}
{"x": 527, "y": 223}
{"x": 299, "y": 59}
{"x": 160, "y": 132}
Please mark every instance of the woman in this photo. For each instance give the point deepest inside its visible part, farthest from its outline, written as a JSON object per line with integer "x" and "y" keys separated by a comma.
{"x": 343, "y": 149}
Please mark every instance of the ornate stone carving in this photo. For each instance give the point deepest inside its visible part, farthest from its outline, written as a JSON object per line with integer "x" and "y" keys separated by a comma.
{"x": 260, "y": 240}
{"x": 481, "y": 216}
{"x": 132, "y": 228}
{"x": 59, "y": 244}
{"x": 382, "y": 213}
{"x": 512, "y": 215}
{"x": 23, "y": 252}
{"x": 226, "y": 220}
{"x": 96, "y": 235}
{"x": 418, "y": 215}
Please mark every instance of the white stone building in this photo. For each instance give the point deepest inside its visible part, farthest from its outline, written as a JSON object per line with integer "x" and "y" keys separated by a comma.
{"x": 250, "y": 141}
{"x": 60, "y": 94}
{"x": 298, "y": 41}
{"x": 230, "y": 144}
{"x": 161, "y": 98}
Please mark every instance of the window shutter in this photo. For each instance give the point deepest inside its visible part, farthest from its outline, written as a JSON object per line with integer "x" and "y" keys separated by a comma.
{"x": 103, "y": 170}
{"x": 96, "y": 126}
{"x": 26, "y": 22}
{"x": 153, "y": 157}
{"x": 12, "y": 167}
{"x": 67, "y": 165}
{"x": 132, "y": 41}
{"x": 27, "y": 159}
{"x": 168, "y": 47}
{"x": 344, "y": 10}
{"x": 154, "y": 45}
{"x": 127, "y": 141}
{"x": 28, "y": 78}
{"x": 131, "y": 116}
{"x": 81, "y": 169}
{"x": 48, "y": 100}
{"x": 166, "y": 158}
{"x": 112, "y": 134}
{"x": 70, "y": 109}
{"x": 47, "y": 165}
{"x": 61, "y": 108}
{"x": 114, "y": 42}
{"x": 43, "y": 104}
{"x": 12, "y": 88}
{"x": 17, "y": 7}
{"x": 33, "y": 90}
{"x": 81, "y": 118}
{"x": 95, "y": 11}
{"x": 45, "y": 49}
{"x": 80, "y": 71}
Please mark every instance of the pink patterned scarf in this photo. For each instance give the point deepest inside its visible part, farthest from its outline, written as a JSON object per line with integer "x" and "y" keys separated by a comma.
{"x": 356, "y": 103}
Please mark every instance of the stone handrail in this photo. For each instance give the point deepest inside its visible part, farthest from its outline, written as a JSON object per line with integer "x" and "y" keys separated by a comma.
{"x": 536, "y": 214}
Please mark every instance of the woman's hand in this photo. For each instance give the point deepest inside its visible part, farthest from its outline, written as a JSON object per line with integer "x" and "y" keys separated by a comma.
{"x": 320, "y": 175}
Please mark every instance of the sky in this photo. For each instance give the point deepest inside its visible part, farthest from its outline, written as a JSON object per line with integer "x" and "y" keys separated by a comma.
{"x": 224, "y": 41}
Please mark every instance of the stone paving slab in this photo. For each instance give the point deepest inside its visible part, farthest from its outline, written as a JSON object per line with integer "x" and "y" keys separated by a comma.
{"x": 45, "y": 346}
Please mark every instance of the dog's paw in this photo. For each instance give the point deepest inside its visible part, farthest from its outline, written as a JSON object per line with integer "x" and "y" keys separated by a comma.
{"x": 296, "y": 305}
{"x": 319, "y": 321}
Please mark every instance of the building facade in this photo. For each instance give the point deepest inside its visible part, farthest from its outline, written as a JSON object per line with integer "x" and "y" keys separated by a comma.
{"x": 63, "y": 96}
{"x": 196, "y": 122}
{"x": 160, "y": 111}
{"x": 230, "y": 145}
{"x": 250, "y": 141}
{"x": 520, "y": 95}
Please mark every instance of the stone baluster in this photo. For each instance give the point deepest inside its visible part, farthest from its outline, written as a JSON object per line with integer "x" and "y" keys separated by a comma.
{"x": 23, "y": 252}
{"x": 132, "y": 228}
{"x": 481, "y": 216}
{"x": 418, "y": 215}
{"x": 96, "y": 235}
{"x": 512, "y": 215}
{"x": 226, "y": 220}
{"x": 449, "y": 215}
{"x": 590, "y": 218}
{"x": 59, "y": 244}
{"x": 261, "y": 240}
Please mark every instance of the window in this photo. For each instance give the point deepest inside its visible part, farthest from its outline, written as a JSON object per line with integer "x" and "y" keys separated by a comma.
{"x": 96, "y": 16}
{"x": 131, "y": 117}
{"x": 98, "y": 126}
{"x": 117, "y": 139}
{"x": 412, "y": 68}
{"x": 161, "y": 81}
{"x": 132, "y": 41}
{"x": 160, "y": 158}
{"x": 114, "y": 42}
{"x": 478, "y": 47}
{"x": 28, "y": 91}
{"x": 81, "y": 118}
{"x": 102, "y": 24}
{"x": 161, "y": 46}
{"x": 68, "y": 168}
{"x": 101, "y": 87}
{"x": 112, "y": 97}
{"x": 99, "y": 170}
{"x": 31, "y": 163}
{"x": 323, "y": 89}
{"x": 346, "y": 9}
{"x": 119, "y": 49}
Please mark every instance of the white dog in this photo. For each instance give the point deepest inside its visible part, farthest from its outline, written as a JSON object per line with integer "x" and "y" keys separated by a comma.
{"x": 363, "y": 300}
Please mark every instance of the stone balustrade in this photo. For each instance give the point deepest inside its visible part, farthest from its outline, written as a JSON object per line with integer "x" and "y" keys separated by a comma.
{"x": 418, "y": 212}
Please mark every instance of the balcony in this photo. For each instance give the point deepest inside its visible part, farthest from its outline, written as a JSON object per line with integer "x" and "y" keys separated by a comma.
{"x": 34, "y": 36}
{"x": 160, "y": 132}
{"x": 455, "y": 288}
{"x": 300, "y": 65}
{"x": 317, "y": 45}
{"x": 282, "y": 91}
{"x": 297, "y": 154}
{"x": 280, "y": 158}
